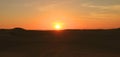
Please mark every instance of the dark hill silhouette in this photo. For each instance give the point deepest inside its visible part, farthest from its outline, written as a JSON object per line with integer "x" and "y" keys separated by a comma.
{"x": 37, "y": 43}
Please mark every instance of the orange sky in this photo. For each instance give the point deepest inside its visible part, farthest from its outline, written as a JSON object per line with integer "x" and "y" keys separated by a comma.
{"x": 73, "y": 14}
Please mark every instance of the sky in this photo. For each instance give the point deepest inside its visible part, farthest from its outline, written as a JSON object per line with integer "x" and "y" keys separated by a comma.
{"x": 73, "y": 14}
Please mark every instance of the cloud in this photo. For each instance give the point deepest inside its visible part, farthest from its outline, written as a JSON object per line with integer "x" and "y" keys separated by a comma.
{"x": 107, "y": 7}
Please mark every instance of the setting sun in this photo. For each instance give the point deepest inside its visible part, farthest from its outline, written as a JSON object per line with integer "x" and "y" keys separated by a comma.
{"x": 58, "y": 26}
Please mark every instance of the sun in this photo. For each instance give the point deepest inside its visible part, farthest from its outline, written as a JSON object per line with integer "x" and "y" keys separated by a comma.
{"x": 58, "y": 26}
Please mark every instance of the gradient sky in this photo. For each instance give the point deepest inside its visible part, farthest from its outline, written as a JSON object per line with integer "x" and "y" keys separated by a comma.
{"x": 74, "y": 14}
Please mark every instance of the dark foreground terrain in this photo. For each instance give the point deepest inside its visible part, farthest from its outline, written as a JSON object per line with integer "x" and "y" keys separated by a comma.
{"x": 66, "y": 43}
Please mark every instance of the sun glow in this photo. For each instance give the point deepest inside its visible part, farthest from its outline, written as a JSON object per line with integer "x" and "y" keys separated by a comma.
{"x": 58, "y": 26}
